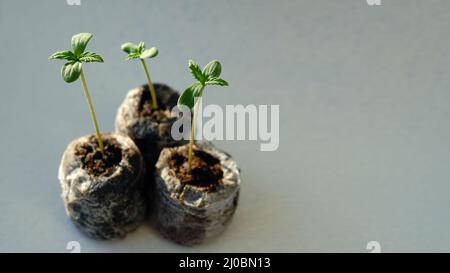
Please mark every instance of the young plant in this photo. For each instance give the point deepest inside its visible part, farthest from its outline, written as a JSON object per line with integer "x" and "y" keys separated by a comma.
{"x": 210, "y": 75}
{"x": 139, "y": 52}
{"x": 73, "y": 70}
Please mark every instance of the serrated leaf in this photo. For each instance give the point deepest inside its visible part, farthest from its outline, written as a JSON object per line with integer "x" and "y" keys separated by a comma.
{"x": 196, "y": 71}
{"x": 197, "y": 89}
{"x": 88, "y": 57}
{"x": 212, "y": 69}
{"x": 140, "y": 47}
{"x": 149, "y": 53}
{"x": 187, "y": 98}
{"x": 71, "y": 71}
{"x": 129, "y": 47}
{"x": 63, "y": 55}
{"x": 133, "y": 55}
{"x": 79, "y": 42}
{"x": 216, "y": 81}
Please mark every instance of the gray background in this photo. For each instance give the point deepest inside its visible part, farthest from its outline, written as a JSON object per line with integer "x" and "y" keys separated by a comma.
{"x": 364, "y": 107}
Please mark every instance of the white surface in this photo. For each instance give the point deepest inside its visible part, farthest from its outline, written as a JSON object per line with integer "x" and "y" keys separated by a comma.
{"x": 364, "y": 105}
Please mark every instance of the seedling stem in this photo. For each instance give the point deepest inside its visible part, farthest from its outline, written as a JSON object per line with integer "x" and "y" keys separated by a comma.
{"x": 191, "y": 141}
{"x": 150, "y": 86}
{"x": 91, "y": 110}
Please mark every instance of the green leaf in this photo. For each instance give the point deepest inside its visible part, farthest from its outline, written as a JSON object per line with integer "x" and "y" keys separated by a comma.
{"x": 133, "y": 55}
{"x": 88, "y": 57}
{"x": 140, "y": 47}
{"x": 79, "y": 42}
{"x": 71, "y": 71}
{"x": 197, "y": 89}
{"x": 129, "y": 47}
{"x": 196, "y": 71}
{"x": 187, "y": 98}
{"x": 212, "y": 69}
{"x": 216, "y": 81}
{"x": 63, "y": 55}
{"x": 149, "y": 53}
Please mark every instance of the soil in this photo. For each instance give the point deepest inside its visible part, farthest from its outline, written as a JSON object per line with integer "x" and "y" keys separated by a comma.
{"x": 92, "y": 160}
{"x": 162, "y": 114}
{"x": 206, "y": 172}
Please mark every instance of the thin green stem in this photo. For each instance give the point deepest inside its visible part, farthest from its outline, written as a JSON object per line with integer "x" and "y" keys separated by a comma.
{"x": 150, "y": 85}
{"x": 91, "y": 110}
{"x": 191, "y": 142}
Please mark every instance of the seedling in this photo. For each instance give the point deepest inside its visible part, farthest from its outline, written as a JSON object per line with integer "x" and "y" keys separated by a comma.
{"x": 210, "y": 75}
{"x": 73, "y": 70}
{"x": 139, "y": 52}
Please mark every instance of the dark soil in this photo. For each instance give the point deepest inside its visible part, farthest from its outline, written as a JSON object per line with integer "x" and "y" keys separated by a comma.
{"x": 162, "y": 114}
{"x": 92, "y": 160}
{"x": 206, "y": 171}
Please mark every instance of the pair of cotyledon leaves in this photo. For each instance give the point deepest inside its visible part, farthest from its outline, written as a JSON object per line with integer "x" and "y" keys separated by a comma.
{"x": 210, "y": 75}
{"x": 72, "y": 69}
{"x": 139, "y": 51}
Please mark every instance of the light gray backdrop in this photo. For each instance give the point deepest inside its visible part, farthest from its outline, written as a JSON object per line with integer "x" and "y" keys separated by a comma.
{"x": 364, "y": 107}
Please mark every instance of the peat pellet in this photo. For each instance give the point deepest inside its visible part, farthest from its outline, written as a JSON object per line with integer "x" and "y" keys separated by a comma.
{"x": 190, "y": 213}
{"x": 150, "y": 130}
{"x": 103, "y": 196}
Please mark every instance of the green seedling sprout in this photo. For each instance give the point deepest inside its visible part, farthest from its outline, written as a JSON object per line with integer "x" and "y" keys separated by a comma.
{"x": 210, "y": 75}
{"x": 73, "y": 70}
{"x": 139, "y": 52}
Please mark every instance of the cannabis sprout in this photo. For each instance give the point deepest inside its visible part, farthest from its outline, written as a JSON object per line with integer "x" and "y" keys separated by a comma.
{"x": 139, "y": 52}
{"x": 210, "y": 75}
{"x": 72, "y": 70}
